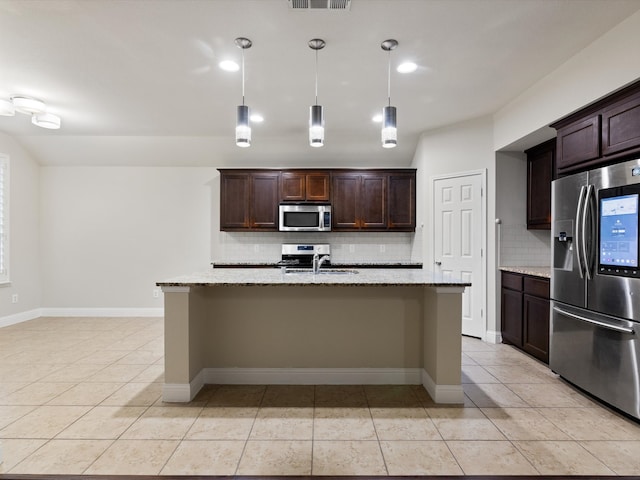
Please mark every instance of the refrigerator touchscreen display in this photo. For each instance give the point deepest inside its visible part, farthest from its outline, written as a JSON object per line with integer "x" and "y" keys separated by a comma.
{"x": 619, "y": 231}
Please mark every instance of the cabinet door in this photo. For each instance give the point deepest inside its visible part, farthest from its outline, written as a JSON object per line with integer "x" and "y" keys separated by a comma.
{"x": 373, "y": 205}
{"x": 539, "y": 177}
{"x": 402, "y": 202}
{"x": 234, "y": 201}
{"x": 536, "y": 327}
{"x": 264, "y": 200}
{"x": 621, "y": 126}
{"x": 344, "y": 203}
{"x": 292, "y": 187}
{"x": 578, "y": 143}
{"x": 512, "y": 317}
{"x": 317, "y": 186}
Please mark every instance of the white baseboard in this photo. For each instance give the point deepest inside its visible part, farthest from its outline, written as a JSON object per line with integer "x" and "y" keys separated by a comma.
{"x": 183, "y": 392}
{"x": 102, "y": 312}
{"x": 442, "y": 393}
{"x": 493, "y": 336}
{"x": 313, "y": 376}
{"x": 20, "y": 317}
{"x": 79, "y": 312}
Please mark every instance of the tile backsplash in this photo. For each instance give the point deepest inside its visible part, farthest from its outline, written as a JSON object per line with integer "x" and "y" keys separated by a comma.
{"x": 240, "y": 247}
{"x": 521, "y": 247}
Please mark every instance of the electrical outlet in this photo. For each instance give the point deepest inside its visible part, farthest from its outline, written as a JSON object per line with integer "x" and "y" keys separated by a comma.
{"x": 156, "y": 293}
{"x": 352, "y": 248}
{"x": 382, "y": 248}
{"x": 14, "y": 298}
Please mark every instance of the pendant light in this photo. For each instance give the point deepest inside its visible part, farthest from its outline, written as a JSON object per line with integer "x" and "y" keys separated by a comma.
{"x": 243, "y": 129}
{"x": 316, "y": 115}
{"x": 389, "y": 129}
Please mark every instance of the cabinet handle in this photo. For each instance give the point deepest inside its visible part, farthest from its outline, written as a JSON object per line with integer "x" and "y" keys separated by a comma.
{"x": 438, "y": 263}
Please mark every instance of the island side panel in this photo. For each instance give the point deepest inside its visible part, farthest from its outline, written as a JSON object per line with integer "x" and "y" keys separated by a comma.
{"x": 443, "y": 344}
{"x": 184, "y": 313}
{"x": 315, "y": 327}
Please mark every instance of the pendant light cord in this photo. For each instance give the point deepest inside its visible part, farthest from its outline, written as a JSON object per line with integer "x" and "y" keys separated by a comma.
{"x": 316, "y": 76}
{"x": 243, "y": 76}
{"x": 389, "y": 79}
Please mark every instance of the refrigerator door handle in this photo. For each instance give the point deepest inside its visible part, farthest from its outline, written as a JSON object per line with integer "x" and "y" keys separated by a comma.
{"x": 579, "y": 230}
{"x": 594, "y": 322}
{"x": 586, "y": 236}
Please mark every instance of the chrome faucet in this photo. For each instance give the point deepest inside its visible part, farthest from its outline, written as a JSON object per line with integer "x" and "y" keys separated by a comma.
{"x": 318, "y": 261}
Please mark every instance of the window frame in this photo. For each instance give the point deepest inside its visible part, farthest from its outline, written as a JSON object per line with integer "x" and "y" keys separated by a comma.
{"x": 4, "y": 214}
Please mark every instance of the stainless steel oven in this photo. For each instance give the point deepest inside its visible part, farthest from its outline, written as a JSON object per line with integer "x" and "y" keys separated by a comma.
{"x": 304, "y": 218}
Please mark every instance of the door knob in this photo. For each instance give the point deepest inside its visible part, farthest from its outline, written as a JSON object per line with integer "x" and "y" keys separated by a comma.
{"x": 438, "y": 263}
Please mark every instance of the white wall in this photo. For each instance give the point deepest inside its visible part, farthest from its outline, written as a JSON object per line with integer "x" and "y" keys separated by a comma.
{"x": 24, "y": 255}
{"x": 109, "y": 233}
{"x": 608, "y": 64}
{"x": 463, "y": 147}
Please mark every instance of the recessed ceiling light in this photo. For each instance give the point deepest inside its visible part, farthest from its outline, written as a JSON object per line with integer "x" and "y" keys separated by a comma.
{"x": 229, "y": 66}
{"x": 256, "y": 118}
{"x": 377, "y": 118}
{"x": 407, "y": 67}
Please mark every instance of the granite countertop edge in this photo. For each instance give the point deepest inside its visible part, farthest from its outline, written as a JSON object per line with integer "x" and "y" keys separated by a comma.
{"x": 542, "y": 272}
{"x": 274, "y": 277}
{"x": 333, "y": 265}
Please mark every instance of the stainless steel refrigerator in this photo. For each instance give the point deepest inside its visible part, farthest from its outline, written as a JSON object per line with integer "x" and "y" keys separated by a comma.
{"x": 595, "y": 283}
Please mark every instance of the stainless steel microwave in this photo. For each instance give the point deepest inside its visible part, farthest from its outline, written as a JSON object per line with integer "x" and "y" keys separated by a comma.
{"x": 305, "y": 218}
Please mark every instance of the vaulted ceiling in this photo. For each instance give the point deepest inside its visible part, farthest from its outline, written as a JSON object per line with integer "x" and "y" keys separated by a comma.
{"x": 137, "y": 82}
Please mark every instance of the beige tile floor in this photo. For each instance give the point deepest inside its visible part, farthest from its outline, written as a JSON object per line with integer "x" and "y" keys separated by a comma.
{"x": 83, "y": 395}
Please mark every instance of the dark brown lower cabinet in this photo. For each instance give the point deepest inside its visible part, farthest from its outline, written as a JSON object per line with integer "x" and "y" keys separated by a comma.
{"x": 525, "y": 313}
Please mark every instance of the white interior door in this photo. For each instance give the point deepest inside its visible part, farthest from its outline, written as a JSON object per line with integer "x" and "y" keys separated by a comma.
{"x": 458, "y": 242}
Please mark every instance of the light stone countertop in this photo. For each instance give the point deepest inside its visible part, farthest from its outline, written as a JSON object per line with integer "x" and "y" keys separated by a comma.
{"x": 265, "y": 277}
{"x": 543, "y": 272}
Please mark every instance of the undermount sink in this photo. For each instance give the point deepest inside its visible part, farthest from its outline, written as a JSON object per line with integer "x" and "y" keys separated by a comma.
{"x": 323, "y": 271}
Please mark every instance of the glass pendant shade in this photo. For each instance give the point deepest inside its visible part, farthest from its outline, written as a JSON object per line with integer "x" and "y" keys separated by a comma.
{"x": 6, "y": 108}
{"x": 243, "y": 129}
{"x": 316, "y": 126}
{"x": 389, "y": 130}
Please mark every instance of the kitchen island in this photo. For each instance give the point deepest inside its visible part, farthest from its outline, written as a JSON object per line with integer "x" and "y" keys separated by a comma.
{"x": 264, "y": 326}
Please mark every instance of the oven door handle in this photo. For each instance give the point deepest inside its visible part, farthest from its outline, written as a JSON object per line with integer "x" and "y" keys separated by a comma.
{"x": 595, "y": 322}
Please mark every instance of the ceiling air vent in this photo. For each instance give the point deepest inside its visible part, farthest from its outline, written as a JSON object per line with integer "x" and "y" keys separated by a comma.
{"x": 319, "y": 4}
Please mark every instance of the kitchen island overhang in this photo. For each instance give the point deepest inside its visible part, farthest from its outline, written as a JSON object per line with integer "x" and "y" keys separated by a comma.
{"x": 261, "y": 326}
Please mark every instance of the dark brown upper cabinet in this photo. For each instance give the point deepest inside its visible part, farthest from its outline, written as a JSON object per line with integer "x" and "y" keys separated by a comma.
{"x": 300, "y": 186}
{"x": 606, "y": 132}
{"x": 382, "y": 200}
{"x": 373, "y": 200}
{"x": 540, "y": 167}
{"x": 578, "y": 144}
{"x": 249, "y": 200}
{"x": 621, "y": 126}
{"x": 401, "y": 201}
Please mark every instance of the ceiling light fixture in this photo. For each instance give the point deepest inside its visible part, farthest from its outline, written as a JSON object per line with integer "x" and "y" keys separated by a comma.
{"x": 28, "y": 105}
{"x": 243, "y": 129}
{"x": 316, "y": 114}
{"x": 389, "y": 128}
{"x": 46, "y": 120}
